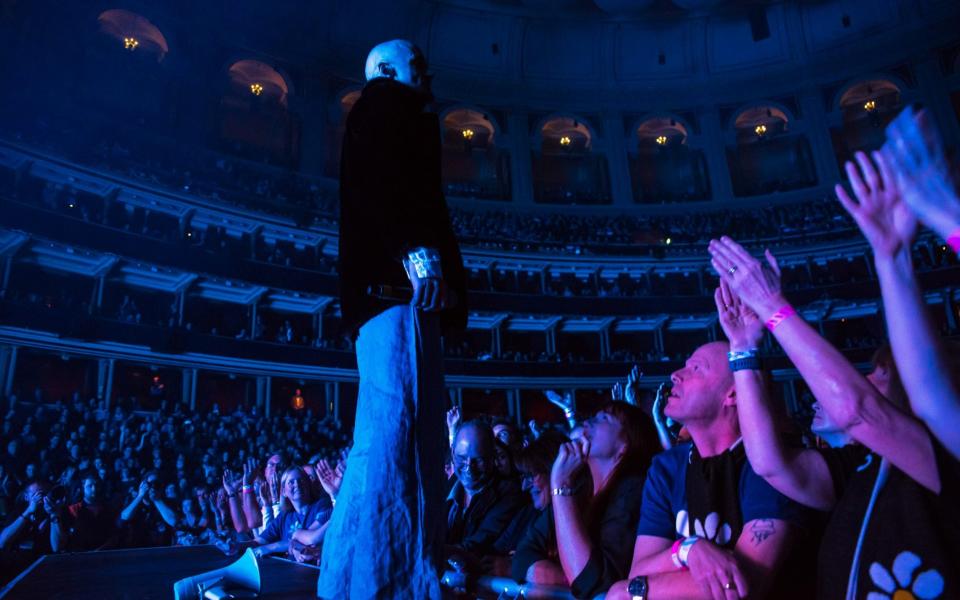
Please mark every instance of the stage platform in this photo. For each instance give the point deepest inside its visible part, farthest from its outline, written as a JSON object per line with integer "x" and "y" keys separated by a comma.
{"x": 147, "y": 573}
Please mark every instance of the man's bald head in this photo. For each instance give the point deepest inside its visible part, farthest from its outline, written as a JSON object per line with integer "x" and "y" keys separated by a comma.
{"x": 399, "y": 60}
{"x": 473, "y": 455}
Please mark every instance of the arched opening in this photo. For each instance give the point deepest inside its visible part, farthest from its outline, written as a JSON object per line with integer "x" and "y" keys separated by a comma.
{"x": 566, "y": 170}
{"x": 767, "y": 157}
{"x": 865, "y": 109}
{"x": 122, "y": 74}
{"x": 473, "y": 164}
{"x": 254, "y": 120}
{"x": 337, "y": 118}
{"x": 133, "y": 33}
{"x": 663, "y": 166}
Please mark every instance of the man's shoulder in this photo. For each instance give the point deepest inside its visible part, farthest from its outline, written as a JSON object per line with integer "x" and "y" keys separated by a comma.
{"x": 671, "y": 460}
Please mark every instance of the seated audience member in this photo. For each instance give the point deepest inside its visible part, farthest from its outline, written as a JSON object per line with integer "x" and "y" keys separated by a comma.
{"x": 147, "y": 520}
{"x": 709, "y": 526}
{"x": 194, "y": 526}
{"x": 535, "y": 543}
{"x": 504, "y": 461}
{"x": 894, "y": 494}
{"x": 298, "y": 510}
{"x": 596, "y": 484}
{"x": 480, "y": 505}
{"x": 91, "y": 522}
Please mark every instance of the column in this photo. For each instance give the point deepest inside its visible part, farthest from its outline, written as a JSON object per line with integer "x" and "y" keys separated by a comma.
{"x": 715, "y": 152}
{"x": 615, "y": 148}
{"x": 5, "y": 352}
{"x": 108, "y": 388}
{"x": 521, "y": 165}
{"x": 817, "y": 131}
{"x": 11, "y": 371}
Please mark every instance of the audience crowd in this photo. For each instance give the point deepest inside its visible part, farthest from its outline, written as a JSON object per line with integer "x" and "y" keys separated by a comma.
{"x": 706, "y": 493}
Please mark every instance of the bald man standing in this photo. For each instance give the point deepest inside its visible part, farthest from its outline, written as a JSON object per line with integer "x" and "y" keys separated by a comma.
{"x": 385, "y": 538}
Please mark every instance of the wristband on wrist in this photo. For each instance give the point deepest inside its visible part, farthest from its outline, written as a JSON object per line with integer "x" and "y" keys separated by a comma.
{"x": 673, "y": 554}
{"x": 746, "y": 364}
{"x": 953, "y": 240}
{"x": 738, "y": 354}
{"x": 785, "y": 312}
{"x": 426, "y": 262}
{"x": 563, "y": 491}
{"x": 684, "y": 551}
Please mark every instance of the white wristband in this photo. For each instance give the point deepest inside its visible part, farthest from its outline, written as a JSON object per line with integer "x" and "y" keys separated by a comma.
{"x": 685, "y": 547}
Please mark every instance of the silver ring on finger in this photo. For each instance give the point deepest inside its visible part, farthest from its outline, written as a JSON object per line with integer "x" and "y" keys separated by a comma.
{"x": 728, "y": 586}
{"x": 732, "y": 270}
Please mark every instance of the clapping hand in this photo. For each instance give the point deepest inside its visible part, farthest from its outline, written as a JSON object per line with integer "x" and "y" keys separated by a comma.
{"x": 740, "y": 323}
{"x": 33, "y": 502}
{"x": 914, "y": 156}
{"x": 331, "y": 478}
{"x": 453, "y": 419}
{"x": 879, "y": 211}
{"x": 755, "y": 283}
{"x": 231, "y": 483}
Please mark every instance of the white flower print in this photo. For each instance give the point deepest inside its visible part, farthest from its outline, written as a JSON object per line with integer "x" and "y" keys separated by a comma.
{"x": 712, "y": 529}
{"x": 901, "y": 584}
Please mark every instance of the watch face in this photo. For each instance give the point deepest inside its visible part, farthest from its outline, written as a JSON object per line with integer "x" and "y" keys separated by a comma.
{"x": 638, "y": 587}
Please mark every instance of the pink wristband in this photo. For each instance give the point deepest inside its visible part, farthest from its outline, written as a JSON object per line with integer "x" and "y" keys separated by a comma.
{"x": 675, "y": 556}
{"x": 953, "y": 240}
{"x": 780, "y": 316}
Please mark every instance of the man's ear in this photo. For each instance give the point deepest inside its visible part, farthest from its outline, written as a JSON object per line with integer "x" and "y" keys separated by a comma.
{"x": 730, "y": 398}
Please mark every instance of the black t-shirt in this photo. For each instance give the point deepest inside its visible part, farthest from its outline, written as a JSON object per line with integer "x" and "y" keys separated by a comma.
{"x": 912, "y": 544}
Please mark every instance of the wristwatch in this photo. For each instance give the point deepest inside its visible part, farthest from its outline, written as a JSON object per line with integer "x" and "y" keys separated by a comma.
{"x": 638, "y": 588}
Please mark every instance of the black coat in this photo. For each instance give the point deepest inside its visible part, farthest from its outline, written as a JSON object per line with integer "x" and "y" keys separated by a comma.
{"x": 391, "y": 201}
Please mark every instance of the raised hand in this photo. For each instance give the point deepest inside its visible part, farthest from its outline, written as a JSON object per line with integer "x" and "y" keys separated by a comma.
{"x": 570, "y": 459}
{"x": 616, "y": 392}
{"x": 453, "y": 419}
{"x": 755, "y": 283}
{"x": 249, "y": 471}
{"x": 275, "y": 487}
{"x": 743, "y": 327}
{"x": 331, "y": 478}
{"x": 143, "y": 490}
{"x": 915, "y": 157}
{"x": 565, "y": 402}
{"x": 33, "y": 502}
{"x": 885, "y": 220}
{"x": 231, "y": 483}
{"x": 632, "y": 390}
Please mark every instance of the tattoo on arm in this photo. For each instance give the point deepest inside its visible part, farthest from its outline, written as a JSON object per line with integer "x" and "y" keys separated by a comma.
{"x": 761, "y": 530}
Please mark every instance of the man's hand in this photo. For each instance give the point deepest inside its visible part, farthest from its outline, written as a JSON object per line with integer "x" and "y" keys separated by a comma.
{"x": 619, "y": 591}
{"x": 716, "y": 571}
{"x": 249, "y": 471}
{"x": 453, "y": 419}
{"x": 430, "y": 292}
{"x": 33, "y": 503}
{"x": 756, "y": 284}
{"x": 885, "y": 220}
{"x": 570, "y": 459}
{"x": 914, "y": 156}
{"x": 742, "y": 326}
{"x": 143, "y": 490}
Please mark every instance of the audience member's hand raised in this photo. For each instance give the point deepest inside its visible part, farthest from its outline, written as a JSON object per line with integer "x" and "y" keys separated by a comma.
{"x": 631, "y": 391}
{"x": 249, "y": 471}
{"x": 915, "y": 156}
{"x": 453, "y": 419}
{"x": 885, "y": 220}
{"x": 757, "y": 284}
{"x": 739, "y": 322}
{"x": 331, "y": 478}
{"x": 33, "y": 502}
{"x": 565, "y": 402}
{"x": 143, "y": 490}
{"x": 716, "y": 571}
{"x": 231, "y": 483}
{"x": 570, "y": 459}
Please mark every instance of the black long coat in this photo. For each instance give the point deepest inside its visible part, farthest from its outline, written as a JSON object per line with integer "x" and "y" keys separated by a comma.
{"x": 391, "y": 201}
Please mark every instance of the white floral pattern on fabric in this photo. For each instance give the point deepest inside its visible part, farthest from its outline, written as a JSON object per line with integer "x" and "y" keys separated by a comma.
{"x": 713, "y": 530}
{"x": 901, "y": 584}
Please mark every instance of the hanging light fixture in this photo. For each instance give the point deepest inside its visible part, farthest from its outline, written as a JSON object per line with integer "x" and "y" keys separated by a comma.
{"x": 661, "y": 140}
{"x": 565, "y": 141}
{"x": 760, "y": 130}
{"x": 467, "y": 134}
{"x": 256, "y": 89}
{"x": 870, "y": 106}
{"x": 131, "y": 43}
